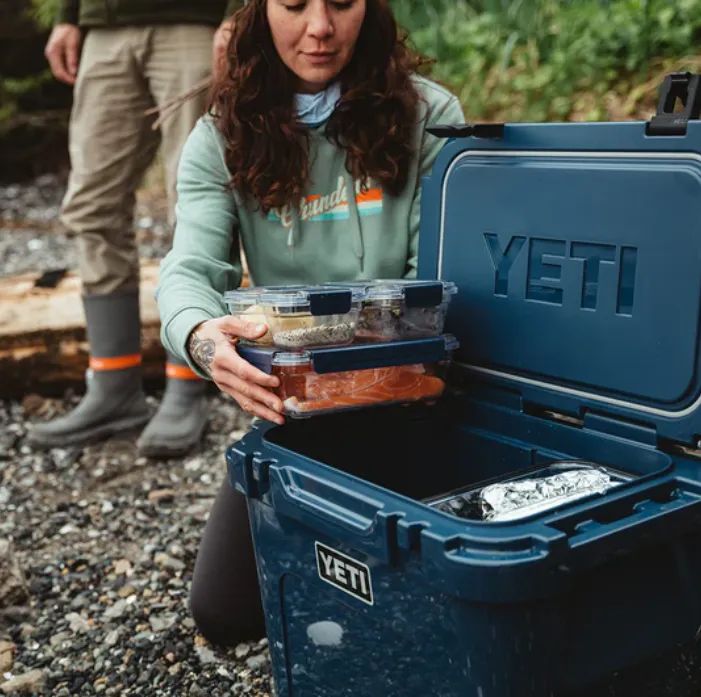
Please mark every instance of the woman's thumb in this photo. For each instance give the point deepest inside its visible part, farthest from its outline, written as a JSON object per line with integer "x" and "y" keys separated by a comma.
{"x": 246, "y": 330}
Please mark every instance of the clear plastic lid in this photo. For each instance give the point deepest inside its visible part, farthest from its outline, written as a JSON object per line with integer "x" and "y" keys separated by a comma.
{"x": 242, "y": 296}
{"x": 288, "y": 358}
{"x": 394, "y": 288}
{"x": 301, "y": 297}
{"x": 251, "y": 296}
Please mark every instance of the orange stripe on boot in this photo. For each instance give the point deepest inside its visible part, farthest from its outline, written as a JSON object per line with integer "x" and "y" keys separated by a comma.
{"x": 181, "y": 372}
{"x": 115, "y": 363}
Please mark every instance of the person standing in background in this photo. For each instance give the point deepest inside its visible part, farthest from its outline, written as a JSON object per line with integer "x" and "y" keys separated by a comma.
{"x": 124, "y": 57}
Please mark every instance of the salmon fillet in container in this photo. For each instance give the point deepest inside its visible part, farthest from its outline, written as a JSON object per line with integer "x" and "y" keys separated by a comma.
{"x": 307, "y": 393}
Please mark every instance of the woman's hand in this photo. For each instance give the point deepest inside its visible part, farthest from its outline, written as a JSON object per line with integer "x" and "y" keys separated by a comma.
{"x": 211, "y": 346}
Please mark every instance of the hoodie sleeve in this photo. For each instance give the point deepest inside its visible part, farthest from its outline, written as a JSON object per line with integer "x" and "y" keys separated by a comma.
{"x": 448, "y": 111}
{"x": 204, "y": 261}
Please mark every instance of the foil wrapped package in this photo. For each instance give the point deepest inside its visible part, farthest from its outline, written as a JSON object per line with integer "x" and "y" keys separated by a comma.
{"x": 521, "y": 498}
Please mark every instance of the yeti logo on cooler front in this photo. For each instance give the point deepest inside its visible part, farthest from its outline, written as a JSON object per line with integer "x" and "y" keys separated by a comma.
{"x": 343, "y": 572}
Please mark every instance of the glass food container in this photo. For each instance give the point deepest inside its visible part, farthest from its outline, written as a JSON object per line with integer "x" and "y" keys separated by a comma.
{"x": 306, "y": 393}
{"x": 311, "y": 317}
{"x": 400, "y": 310}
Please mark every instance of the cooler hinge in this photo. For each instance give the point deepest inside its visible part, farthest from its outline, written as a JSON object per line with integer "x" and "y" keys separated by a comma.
{"x": 685, "y": 88}
{"x": 619, "y": 428}
{"x": 466, "y": 130}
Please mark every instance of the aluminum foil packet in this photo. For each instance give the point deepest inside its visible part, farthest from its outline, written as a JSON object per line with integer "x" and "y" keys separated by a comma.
{"x": 516, "y": 499}
{"x": 525, "y": 497}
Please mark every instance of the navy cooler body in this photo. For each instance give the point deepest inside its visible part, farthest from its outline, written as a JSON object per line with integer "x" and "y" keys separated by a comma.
{"x": 577, "y": 252}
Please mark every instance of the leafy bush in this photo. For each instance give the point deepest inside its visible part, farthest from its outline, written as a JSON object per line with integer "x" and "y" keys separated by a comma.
{"x": 44, "y": 12}
{"x": 537, "y": 60}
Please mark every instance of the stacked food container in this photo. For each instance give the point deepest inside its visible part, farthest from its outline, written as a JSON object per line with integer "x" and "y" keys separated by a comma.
{"x": 341, "y": 346}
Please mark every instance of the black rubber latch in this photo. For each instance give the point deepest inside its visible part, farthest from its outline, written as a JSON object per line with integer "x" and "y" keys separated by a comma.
{"x": 330, "y": 302}
{"x": 477, "y": 130}
{"x": 50, "y": 278}
{"x": 685, "y": 88}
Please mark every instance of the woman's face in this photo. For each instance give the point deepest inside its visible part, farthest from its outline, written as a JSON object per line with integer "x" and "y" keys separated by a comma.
{"x": 315, "y": 38}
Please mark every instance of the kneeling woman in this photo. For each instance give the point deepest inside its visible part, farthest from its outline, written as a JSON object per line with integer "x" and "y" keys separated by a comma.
{"x": 310, "y": 159}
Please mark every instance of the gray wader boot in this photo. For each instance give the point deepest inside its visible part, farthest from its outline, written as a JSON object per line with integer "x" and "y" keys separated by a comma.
{"x": 181, "y": 417}
{"x": 114, "y": 400}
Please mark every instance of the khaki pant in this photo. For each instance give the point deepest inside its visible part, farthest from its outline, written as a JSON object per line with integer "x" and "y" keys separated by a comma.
{"x": 122, "y": 73}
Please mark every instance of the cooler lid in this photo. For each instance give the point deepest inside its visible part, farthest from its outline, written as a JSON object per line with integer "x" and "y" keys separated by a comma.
{"x": 576, "y": 249}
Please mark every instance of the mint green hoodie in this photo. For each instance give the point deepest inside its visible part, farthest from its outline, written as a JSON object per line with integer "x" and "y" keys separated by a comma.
{"x": 329, "y": 236}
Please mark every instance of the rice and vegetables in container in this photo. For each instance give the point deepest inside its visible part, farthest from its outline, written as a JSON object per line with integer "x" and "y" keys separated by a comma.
{"x": 401, "y": 310}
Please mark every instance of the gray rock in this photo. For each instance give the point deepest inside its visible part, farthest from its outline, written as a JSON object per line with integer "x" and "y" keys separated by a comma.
{"x": 114, "y": 612}
{"x": 142, "y": 639}
{"x": 27, "y": 630}
{"x": 167, "y": 562}
{"x": 13, "y": 585}
{"x": 7, "y": 656}
{"x": 205, "y": 654}
{"x": 29, "y": 683}
{"x": 257, "y": 662}
{"x": 176, "y": 550}
{"x": 77, "y": 623}
{"x": 162, "y": 622}
{"x": 242, "y": 650}
{"x": 60, "y": 638}
{"x": 79, "y": 602}
{"x": 112, "y": 639}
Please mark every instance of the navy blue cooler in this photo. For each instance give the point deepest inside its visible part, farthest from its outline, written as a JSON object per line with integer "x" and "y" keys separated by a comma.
{"x": 576, "y": 249}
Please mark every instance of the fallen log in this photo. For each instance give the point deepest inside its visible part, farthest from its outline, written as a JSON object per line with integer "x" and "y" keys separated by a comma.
{"x": 43, "y": 347}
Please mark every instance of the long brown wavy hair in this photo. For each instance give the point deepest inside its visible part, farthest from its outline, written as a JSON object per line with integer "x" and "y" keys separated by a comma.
{"x": 267, "y": 150}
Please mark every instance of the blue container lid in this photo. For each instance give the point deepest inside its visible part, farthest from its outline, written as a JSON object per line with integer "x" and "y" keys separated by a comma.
{"x": 354, "y": 357}
{"x": 576, "y": 249}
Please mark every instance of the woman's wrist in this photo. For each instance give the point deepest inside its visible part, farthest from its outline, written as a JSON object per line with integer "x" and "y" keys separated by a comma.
{"x": 201, "y": 349}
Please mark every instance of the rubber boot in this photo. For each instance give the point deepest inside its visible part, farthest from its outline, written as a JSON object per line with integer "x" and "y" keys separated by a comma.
{"x": 114, "y": 400}
{"x": 179, "y": 423}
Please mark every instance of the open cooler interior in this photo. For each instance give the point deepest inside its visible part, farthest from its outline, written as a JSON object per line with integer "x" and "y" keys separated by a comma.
{"x": 425, "y": 452}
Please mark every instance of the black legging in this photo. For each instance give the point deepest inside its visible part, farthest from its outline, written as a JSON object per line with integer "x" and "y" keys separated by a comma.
{"x": 225, "y": 597}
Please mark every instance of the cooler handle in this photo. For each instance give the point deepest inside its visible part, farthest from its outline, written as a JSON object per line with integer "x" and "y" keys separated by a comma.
{"x": 627, "y": 521}
{"x": 352, "y": 518}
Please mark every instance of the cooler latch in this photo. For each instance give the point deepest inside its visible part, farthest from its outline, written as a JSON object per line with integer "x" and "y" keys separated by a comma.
{"x": 685, "y": 88}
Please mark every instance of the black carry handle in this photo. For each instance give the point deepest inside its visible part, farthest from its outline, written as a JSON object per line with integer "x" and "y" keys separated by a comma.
{"x": 478, "y": 130}
{"x": 682, "y": 86}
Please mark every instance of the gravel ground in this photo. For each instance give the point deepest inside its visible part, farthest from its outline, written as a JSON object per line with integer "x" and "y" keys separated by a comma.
{"x": 32, "y": 238}
{"x": 106, "y": 540}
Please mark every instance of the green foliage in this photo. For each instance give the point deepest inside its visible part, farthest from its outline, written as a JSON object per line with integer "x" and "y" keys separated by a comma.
{"x": 536, "y": 60}
{"x": 19, "y": 95}
{"x": 44, "y": 12}
{"x": 12, "y": 90}
{"x": 529, "y": 60}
